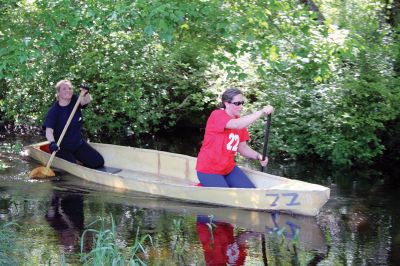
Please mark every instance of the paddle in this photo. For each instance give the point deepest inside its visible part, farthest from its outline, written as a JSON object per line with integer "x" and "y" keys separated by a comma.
{"x": 264, "y": 155}
{"x": 45, "y": 171}
{"x": 266, "y": 138}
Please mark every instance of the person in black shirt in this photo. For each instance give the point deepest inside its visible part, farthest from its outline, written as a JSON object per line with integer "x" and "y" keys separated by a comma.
{"x": 73, "y": 147}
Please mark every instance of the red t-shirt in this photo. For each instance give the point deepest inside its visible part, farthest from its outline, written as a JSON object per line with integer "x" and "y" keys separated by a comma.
{"x": 217, "y": 153}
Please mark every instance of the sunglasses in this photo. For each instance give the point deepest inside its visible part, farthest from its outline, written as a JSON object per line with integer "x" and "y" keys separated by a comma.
{"x": 237, "y": 103}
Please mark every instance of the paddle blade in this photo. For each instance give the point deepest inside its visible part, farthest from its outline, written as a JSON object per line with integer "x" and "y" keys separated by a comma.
{"x": 41, "y": 172}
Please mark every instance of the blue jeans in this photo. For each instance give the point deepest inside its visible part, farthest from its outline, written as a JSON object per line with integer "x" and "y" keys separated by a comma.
{"x": 236, "y": 178}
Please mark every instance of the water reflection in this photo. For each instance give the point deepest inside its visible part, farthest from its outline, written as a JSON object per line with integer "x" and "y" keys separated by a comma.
{"x": 220, "y": 245}
{"x": 224, "y": 232}
{"x": 239, "y": 235}
{"x": 284, "y": 239}
{"x": 65, "y": 216}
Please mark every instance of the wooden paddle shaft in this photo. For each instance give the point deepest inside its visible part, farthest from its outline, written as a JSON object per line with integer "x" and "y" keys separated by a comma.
{"x": 65, "y": 128}
{"x": 266, "y": 139}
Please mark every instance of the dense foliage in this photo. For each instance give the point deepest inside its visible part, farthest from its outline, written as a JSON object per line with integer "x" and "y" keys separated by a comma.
{"x": 330, "y": 69}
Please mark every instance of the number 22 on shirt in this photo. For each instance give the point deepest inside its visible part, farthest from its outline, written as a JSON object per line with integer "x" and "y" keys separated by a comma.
{"x": 233, "y": 142}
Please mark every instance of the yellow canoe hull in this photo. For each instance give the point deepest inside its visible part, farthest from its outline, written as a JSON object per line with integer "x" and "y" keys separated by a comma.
{"x": 174, "y": 175}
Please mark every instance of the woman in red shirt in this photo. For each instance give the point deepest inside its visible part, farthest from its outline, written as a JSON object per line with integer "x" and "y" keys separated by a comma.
{"x": 226, "y": 133}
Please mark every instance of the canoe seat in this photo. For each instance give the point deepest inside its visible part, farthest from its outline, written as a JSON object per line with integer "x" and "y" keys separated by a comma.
{"x": 108, "y": 169}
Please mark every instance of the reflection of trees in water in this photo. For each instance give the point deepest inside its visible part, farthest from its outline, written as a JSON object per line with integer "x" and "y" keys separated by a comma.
{"x": 356, "y": 235}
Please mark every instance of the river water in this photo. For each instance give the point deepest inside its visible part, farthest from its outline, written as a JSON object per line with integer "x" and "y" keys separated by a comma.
{"x": 41, "y": 222}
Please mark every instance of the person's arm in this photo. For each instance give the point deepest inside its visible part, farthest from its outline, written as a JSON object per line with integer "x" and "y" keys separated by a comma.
{"x": 245, "y": 121}
{"x": 87, "y": 98}
{"x": 50, "y": 134}
{"x": 246, "y": 151}
{"x": 50, "y": 137}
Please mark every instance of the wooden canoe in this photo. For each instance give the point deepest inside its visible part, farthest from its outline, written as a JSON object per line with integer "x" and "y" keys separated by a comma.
{"x": 174, "y": 176}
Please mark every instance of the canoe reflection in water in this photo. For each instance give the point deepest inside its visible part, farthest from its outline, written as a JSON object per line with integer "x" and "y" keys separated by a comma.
{"x": 65, "y": 215}
{"x": 223, "y": 245}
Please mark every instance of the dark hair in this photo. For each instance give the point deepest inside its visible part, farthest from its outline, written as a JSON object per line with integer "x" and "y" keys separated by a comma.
{"x": 228, "y": 95}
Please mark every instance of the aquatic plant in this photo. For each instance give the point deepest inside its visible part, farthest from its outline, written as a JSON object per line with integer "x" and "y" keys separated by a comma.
{"x": 177, "y": 230}
{"x": 282, "y": 250}
{"x": 178, "y": 243}
{"x": 2, "y": 165}
{"x": 211, "y": 226}
{"x": 108, "y": 250}
{"x": 11, "y": 253}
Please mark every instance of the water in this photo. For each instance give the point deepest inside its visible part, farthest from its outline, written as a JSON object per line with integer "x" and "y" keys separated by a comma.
{"x": 358, "y": 226}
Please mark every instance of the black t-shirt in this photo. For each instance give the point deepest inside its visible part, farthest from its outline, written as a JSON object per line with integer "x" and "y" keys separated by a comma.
{"x": 56, "y": 119}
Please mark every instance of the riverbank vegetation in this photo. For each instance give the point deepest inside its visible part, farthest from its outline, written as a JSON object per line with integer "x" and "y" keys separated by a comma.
{"x": 108, "y": 249}
{"x": 330, "y": 68}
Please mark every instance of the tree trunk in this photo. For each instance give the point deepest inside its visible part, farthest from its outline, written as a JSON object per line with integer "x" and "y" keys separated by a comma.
{"x": 314, "y": 7}
{"x": 393, "y": 12}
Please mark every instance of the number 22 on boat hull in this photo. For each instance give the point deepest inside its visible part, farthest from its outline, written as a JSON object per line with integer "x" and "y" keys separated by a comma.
{"x": 279, "y": 197}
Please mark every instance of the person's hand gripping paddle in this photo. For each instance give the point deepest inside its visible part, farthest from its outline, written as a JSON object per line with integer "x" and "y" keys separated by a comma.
{"x": 45, "y": 171}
